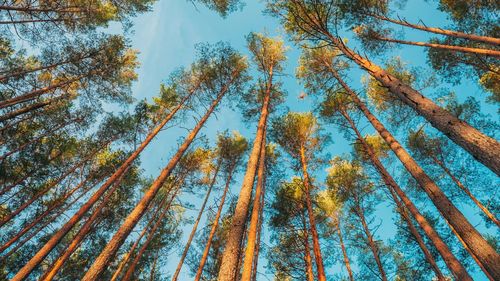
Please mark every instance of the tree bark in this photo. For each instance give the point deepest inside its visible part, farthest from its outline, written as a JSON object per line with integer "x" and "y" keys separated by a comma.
{"x": 307, "y": 251}
{"x": 259, "y": 233}
{"x": 195, "y": 226}
{"x": 229, "y": 264}
{"x": 485, "y": 253}
{"x": 26, "y": 109}
{"x": 248, "y": 261}
{"x": 215, "y": 224}
{"x": 112, "y": 247}
{"x": 312, "y": 222}
{"x": 484, "y": 148}
{"x": 452, "y": 33}
{"x": 485, "y": 52}
{"x": 59, "y": 235}
{"x": 451, "y": 261}
{"x": 344, "y": 252}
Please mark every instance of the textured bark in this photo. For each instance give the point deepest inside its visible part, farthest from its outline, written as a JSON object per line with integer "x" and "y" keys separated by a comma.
{"x": 114, "y": 244}
{"x": 59, "y": 235}
{"x": 484, "y": 148}
{"x": 452, "y": 33}
{"x": 248, "y": 260}
{"x": 78, "y": 238}
{"x": 23, "y": 110}
{"x": 227, "y": 271}
{"x": 195, "y": 226}
{"x": 371, "y": 243}
{"x": 451, "y": 261}
{"x": 478, "y": 51}
{"x": 215, "y": 224}
{"x": 467, "y": 191}
{"x": 344, "y": 252}
{"x": 312, "y": 222}
{"x": 259, "y": 233}
{"x": 485, "y": 253}
{"x": 307, "y": 251}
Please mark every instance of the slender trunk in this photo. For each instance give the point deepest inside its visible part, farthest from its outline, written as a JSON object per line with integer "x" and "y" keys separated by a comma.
{"x": 229, "y": 264}
{"x": 312, "y": 222}
{"x": 42, "y": 192}
{"x": 259, "y": 232}
{"x": 254, "y": 219}
{"x": 371, "y": 243}
{"x": 71, "y": 9}
{"x": 452, "y": 33}
{"x": 215, "y": 224}
{"x": 344, "y": 252}
{"x": 43, "y": 226}
{"x": 485, "y": 253}
{"x": 153, "y": 266}
{"x": 110, "y": 250}
{"x": 23, "y": 110}
{"x": 151, "y": 234}
{"x": 78, "y": 238}
{"x": 484, "y": 148}
{"x": 36, "y": 93}
{"x": 485, "y": 52}
{"x": 307, "y": 251}
{"x": 59, "y": 235}
{"x": 456, "y": 268}
{"x": 195, "y": 226}
{"x": 43, "y": 215}
{"x": 38, "y": 21}
{"x": 466, "y": 190}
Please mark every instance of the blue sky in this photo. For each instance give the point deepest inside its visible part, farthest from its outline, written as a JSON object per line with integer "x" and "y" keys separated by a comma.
{"x": 166, "y": 37}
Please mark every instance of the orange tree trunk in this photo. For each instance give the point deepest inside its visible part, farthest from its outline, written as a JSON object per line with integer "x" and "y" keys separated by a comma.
{"x": 215, "y": 224}
{"x": 344, "y": 252}
{"x": 485, "y": 253}
{"x": 195, "y": 226}
{"x": 478, "y": 203}
{"x": 312, "y": 222}
{"x": 259, "y": 232}
{"x": 254, "y": 219}
{"x": 451, "y": 261}
{"x": 26, "y": 109}
{"x": 390, "y": 183}
{"x": 484, "y": 148}
{"x": 78, "y": 238}
{"x": 230, "y": 257}
{"x": 130, "y": 271}
{"x": 307, "y": 250}
{"x": 59, "y": 235}
{"x": 478, "y": 51}
{"x": 114, "y": 244}
{"x": 452, "y": 33}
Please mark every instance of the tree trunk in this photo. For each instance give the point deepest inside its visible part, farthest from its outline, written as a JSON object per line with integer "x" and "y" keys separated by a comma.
{"x": 484, "y": 148}
{"x": 452, "y": 33}
{"x": 130, "y": 271}
{"x": 195, "y": 226}
{"x": 466, "y": 190}
{"x": 259, "y": 233}
{"x": 59, "y": 235}
{"x": 312, "y": 223}
{"x": 78, "y": 238}
{"x": 110, "y": 250}
{"x": 307, "y": 250}
{"x": 371, "y": 243}
{"x": 478, "y": 245}
{"x": 36, "y": 93}
{"x": 26, "y": 109}
{"x": 478, "y": 51}
{"x": 248, "y": 261}
{"x": 344, "y": 252}
{"x": 451, "y": 261}
{"x": 215, "y": 224}
{"x": 229, "y": 264}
